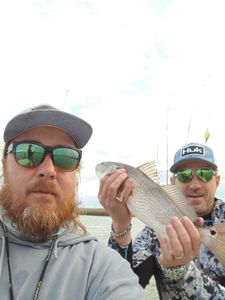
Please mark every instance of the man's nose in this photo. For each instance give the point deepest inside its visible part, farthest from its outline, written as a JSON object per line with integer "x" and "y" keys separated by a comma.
{"x": 47, "y": 168}
{"x": 195, "y": 182}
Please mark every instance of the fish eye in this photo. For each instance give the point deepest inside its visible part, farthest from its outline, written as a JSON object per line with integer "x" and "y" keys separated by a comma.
{"x": 213, "y": 232}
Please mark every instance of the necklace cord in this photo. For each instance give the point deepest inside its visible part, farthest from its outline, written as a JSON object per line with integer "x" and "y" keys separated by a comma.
{"x": 40, "y": 281}
{"x": 8, "y": 261}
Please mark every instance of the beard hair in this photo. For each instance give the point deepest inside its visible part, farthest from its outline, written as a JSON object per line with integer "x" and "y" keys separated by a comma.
{"x": 39, "y": 223}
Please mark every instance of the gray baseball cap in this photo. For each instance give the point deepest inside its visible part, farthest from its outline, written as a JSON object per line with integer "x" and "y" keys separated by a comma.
{"x": 193, "y": 151}
{"x": 46, "y": 115}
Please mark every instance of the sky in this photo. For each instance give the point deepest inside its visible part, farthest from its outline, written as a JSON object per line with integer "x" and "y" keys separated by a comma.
{"x": 146, "y": 74}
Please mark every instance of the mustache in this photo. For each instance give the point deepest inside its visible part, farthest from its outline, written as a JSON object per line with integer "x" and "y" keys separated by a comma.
{"x": 47, "y": 187}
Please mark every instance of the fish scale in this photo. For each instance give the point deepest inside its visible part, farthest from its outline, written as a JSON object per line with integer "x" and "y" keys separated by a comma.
{"x": 156, "y": 210}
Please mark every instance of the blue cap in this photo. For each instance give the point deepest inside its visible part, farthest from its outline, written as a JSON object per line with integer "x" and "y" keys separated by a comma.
{"x": 193, "y": 151}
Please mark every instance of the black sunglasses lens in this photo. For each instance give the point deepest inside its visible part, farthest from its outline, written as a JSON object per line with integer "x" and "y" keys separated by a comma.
{"x": 29, "y": 155}
{"x": 66, "y": 158}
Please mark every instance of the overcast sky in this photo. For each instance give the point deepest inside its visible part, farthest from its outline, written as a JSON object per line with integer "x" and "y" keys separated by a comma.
{"x": 147, "y": 75}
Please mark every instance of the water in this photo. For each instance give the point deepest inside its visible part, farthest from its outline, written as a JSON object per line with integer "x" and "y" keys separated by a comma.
{"x": 100, "y": 227}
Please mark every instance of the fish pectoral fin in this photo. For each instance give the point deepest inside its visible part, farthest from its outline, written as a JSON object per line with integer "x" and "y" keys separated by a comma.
{"x": 150, "y": 170}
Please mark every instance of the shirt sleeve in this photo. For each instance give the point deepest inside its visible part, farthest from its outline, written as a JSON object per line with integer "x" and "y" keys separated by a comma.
{"x": 125, "y": 252}
{"x": 196, "y": 285}
{"x": 144, "y": 270}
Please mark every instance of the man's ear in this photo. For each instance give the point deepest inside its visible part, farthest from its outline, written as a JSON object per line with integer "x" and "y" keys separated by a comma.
{"x": 217, "y": 180}
{"x": 172, "y": 180}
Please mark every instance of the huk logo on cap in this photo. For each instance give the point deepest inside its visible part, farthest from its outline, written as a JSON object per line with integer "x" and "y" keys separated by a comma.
{"x": 192, "y": 150}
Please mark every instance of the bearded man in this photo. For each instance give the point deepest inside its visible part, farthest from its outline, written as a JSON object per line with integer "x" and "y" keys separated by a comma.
{"x": 46, "y": 253}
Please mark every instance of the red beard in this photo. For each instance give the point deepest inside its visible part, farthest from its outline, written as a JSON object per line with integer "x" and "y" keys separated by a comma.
{"x": 39, "y": 223}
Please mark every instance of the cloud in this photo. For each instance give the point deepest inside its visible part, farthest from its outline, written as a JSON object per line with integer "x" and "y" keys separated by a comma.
{"x": 148, "y": 75}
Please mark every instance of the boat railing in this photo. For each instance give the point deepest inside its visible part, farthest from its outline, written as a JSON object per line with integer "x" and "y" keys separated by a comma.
{"x": 93, "y": 211}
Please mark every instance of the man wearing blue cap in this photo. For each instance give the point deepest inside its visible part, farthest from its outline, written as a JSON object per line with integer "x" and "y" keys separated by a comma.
{"x": 186, "y": 275}
{"x": 196, "y": 158}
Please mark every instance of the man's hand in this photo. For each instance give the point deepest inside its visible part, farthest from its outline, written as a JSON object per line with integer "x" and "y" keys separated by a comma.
{"x": 182, "y": 244}
{"x": 114, "y": 191}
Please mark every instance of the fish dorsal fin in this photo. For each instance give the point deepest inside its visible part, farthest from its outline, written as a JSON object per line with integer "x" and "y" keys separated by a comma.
{"x": 179, "y": 201}
{"x": 150, "y": 170}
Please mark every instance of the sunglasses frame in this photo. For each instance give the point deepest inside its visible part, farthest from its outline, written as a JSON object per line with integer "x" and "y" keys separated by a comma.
{"x": 11, "y": 148}
{"x": 192, "y": 174}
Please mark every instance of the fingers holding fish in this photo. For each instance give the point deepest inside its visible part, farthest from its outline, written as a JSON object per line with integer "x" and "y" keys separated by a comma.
{"x": 126, "y": 189}
{"x": 193, "y": 233}
{"x": 178, "y": 253}
{"x": 114, "y": 190}
{"x": 115, "y": 186}
{"x": 166, "y": 258}
{"x": 182, "y": 245}
{"x": 199, "y": 221}
{"x": 184, "y": 238}
{"x": 110, "y": 185}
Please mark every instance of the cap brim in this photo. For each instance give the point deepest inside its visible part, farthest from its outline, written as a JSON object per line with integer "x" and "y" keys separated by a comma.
{"x": 77, "y": 128}
{"x": 174, "y": 167}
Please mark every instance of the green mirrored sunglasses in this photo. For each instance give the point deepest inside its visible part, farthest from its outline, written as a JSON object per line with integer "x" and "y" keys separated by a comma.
{"x": 204, "y": 174}
{"x": 31, "y": 154}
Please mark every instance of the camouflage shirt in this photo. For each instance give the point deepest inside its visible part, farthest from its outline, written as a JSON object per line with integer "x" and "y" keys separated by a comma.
{"x": 205, "y": 278}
